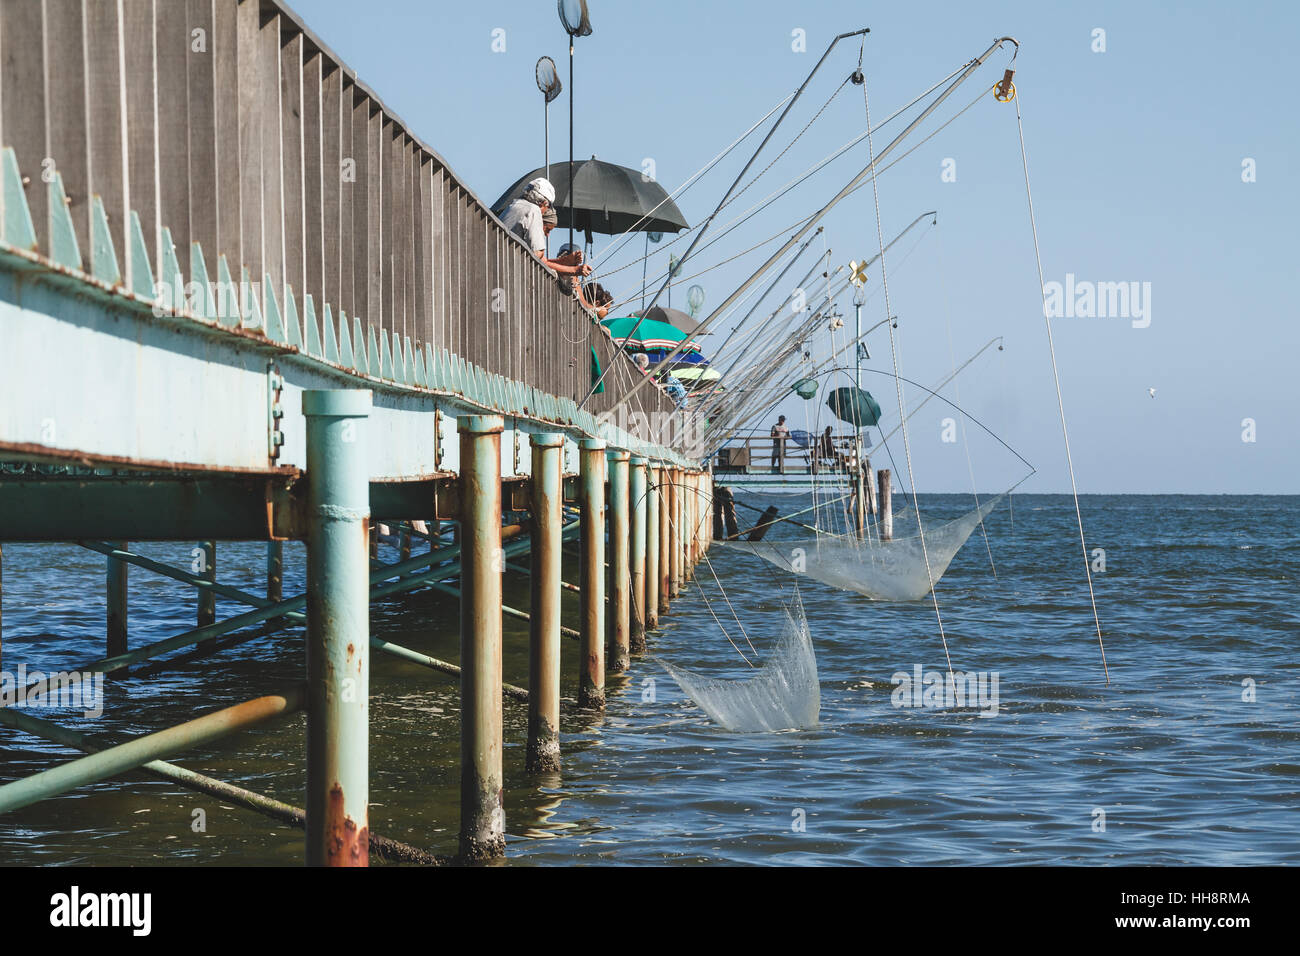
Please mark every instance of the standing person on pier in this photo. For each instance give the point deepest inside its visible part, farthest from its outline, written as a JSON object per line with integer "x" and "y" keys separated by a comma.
{"x": 779, "y": 434}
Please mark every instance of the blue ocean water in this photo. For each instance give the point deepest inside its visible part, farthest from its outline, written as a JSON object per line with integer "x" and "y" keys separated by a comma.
{"x": 1188, "y": 756}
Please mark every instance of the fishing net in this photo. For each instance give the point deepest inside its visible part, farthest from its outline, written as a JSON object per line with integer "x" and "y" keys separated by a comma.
{"x": 881, "y": 570}
{"x": 783, "y": 694}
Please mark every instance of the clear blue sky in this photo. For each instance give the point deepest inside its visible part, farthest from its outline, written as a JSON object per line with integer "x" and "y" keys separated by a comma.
{"x": 1135, "y": 157}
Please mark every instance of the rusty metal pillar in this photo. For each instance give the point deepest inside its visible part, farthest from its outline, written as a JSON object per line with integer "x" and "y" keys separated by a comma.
{"x": 665, "y": 538}
{"x": 652, "y": 547}
{"x": 692, "y": 524}
{"x": 482, "y": 808}
{"x": 707, "y": 531}
{"x": 591, "y": 531}
{"x": 636, "y": 490}
{"x": 543, "y": 754}
{"x": 116, "y": 594}
{"x": 208, "y": 571}
{"x": 674, "y": 533}
{"x": 338, "y": 628}
{"x": 275, "y": 570}
{"x": 620, "y": 569}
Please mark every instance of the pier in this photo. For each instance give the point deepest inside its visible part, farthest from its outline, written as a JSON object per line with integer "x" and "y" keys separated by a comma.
{"x": 240, "y": 300}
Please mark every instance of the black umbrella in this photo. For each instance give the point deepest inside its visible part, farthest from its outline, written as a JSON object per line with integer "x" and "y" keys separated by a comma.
{"x": 608, "y": 199}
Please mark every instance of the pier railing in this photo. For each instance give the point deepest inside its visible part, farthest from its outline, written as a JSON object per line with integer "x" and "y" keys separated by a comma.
{"x": 759, "y": 453}
{"x": 228, "y": 127}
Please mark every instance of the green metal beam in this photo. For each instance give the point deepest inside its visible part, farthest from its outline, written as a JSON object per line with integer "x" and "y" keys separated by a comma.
{"x": 142, "y": 750}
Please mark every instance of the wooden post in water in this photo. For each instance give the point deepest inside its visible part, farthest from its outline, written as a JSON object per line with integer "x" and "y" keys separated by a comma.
{"x": 637, "y": 491}
{"x": 861, "y": 479}
{"x": 591, "y": 532}
{"x": 116, "y": 593}
{"x": 2, "y": 592}
{"x": 404, "y": 542}
{"x": 482, "y": 813}
{"x": 620, "y": 570}
{"x": 543, "y": 754}
{"x": 871, "y": 487}
{"x": 886, "y": 507}
{"x": 208, "y": 571}
{"x": 665, "y": 539}
{"x": 275, "y": 570}
{"x": 652, "y": 548}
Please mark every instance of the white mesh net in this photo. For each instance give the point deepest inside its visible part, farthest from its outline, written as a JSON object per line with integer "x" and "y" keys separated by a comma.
{"x": 881, "y": 570}
{"x": 783, "y": 694}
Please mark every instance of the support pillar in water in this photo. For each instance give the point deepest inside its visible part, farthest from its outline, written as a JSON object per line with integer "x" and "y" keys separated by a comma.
{"x": 652, "y": 548}
{"x": 636, "y": 490}
{"x": 665, "y": 538}
{"x": 543, "y": 754}
{"x": 275, "y": 570}
{"x": 208, "y": 599}
{"x": 675, "y": 531}
{"x": 482, "y": 810}
{"x": 338, "y": 628}
{"x": 861, "y": 479}
{"x": 620, "y": 571}
{"x": 591, "y": 531}
{"x": 708, "y": 530}
{"x": 886, "y": 507}
{"x": 116, "y": 593}
{"x": 697, "y": 499}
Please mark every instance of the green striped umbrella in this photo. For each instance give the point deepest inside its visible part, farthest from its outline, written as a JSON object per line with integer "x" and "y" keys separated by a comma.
{"x": 651, "y": 334}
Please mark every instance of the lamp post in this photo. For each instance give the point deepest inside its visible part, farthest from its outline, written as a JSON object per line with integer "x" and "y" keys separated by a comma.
{"x": 573, "y": 15}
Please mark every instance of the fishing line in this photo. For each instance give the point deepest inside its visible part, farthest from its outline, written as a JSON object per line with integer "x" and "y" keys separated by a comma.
{"x": 627, "y": 234}
{"x": 813, "y": 170}
{"x": 1060, "y": 401}
{"x": 952, "y": 357}
{"x": 898, "y": 384}
{"x": 847, "y": 146}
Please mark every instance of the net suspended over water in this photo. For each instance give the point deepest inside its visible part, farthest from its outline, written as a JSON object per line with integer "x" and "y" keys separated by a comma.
{"x": 882, "y": 570}
{"x": 783, "y": 694}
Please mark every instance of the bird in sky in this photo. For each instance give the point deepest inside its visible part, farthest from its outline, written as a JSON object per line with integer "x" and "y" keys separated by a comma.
{"x": 1151, "y": 392}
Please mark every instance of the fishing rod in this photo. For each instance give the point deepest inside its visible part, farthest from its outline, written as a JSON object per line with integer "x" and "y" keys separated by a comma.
{"x": 775, "y": 282}
{"x": 780, "y": 352}
{"x": 777, "y": 336}
{"x": 869, "y": 169}
{"x": 862, "y": 268}
{"x": 931, "y": 393}
{"x": 727, "y": 195}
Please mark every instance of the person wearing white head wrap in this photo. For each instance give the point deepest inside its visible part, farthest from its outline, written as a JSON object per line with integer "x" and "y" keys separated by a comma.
{"x": 540, "y": 191}
{"x": 527, "y": 218}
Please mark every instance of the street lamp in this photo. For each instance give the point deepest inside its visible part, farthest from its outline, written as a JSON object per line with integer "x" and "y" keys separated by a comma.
{"x": 573, "y": 15}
